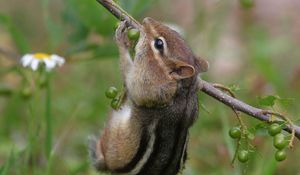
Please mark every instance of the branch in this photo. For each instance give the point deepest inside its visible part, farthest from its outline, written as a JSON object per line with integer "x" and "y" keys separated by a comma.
{"x": 238, "y": 105}
{"x": 204, "y": 86}
{"x": 119, "y": 13}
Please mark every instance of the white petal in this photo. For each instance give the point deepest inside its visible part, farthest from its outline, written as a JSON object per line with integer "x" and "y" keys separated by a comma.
{"x": 50, "y": 64}
{"x": 26, "y": 60}
{"x": 58, "y": 59}
{"x": 34, "y": 64}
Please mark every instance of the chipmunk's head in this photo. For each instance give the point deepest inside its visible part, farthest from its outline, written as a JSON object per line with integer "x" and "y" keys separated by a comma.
{"x": 163, "y": 59}
{"x": 167, "y": 46}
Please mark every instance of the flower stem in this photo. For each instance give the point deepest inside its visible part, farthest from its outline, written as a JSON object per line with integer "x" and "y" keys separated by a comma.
{"x": 48, "y": 118}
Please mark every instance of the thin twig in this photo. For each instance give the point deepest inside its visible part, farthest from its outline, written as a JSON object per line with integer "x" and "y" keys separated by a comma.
{"x": 119, "y": 13}
{"x": 243, "y": 126}
{"x": 238, "y": 105}
{"x": 223, "y": 88}
{"x": 238, "y": 143}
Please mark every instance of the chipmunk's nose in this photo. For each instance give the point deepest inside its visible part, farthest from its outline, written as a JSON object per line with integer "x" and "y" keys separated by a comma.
{"x": 147, "y": 20}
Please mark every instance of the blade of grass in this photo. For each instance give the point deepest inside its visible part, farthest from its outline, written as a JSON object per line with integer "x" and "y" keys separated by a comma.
{"x": 50, "y": 163}
{"x": 48, "y": 119}
{"x": 270, "y": 167}
{"x": 264, "y": 164}
{"x": 9, "y": 164}
{"x": 18, "y": 38}
{"x": 55, "y": 31}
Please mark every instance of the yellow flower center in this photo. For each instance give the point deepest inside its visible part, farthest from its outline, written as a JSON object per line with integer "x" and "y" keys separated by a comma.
{"x": 41, "y": 56}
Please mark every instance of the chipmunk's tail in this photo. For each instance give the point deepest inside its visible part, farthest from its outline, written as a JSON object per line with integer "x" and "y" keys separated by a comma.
{"x": 96, "y": 159}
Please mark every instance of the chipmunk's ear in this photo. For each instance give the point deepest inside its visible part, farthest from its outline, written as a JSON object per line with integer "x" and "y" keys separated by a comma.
{"x": 203, "y": 64}
{"x": 181, "y": 70}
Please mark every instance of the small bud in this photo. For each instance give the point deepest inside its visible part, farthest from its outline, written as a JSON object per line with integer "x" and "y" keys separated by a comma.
{"x": 26, "y": 93}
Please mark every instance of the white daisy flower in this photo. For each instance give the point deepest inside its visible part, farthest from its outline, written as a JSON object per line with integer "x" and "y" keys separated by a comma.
{"x": 33, "y": 61}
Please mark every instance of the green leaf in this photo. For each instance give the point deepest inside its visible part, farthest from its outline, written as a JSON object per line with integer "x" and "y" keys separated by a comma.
{"x": 267, "y": 100}
{"x": 234, "y": 87}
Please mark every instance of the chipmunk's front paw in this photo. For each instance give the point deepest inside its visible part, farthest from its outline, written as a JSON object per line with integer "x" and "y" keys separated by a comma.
{"x": 121, "y": 35}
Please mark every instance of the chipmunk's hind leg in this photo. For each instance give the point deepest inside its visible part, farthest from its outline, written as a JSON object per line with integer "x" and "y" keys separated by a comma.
{"x": 95, "y": 154}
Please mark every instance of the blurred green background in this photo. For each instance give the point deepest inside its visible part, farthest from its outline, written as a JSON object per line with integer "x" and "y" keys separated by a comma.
{"x": 251, "y": 44}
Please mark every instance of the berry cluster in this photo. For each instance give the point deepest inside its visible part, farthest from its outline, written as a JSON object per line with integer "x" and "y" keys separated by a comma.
{"x": 113, "y": 94}
{"x": 279, "y": 141}
{"x": 236, "y": 133}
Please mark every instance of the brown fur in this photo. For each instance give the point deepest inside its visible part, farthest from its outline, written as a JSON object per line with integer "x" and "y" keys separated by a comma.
{"x": 120, "y": 143}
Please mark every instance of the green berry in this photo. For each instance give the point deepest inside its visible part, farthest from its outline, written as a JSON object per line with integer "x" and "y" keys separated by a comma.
{"x": 111, "y": 93}
{"x": 279, "y": 141}
{"x": 280, "y": 155}
{"x": 243, "y": 156}
{"x": 235, "y": 132}
{"x": 274, "y": 129}
{"x": 133, "y": 34}
{"x": 114, "y": 103}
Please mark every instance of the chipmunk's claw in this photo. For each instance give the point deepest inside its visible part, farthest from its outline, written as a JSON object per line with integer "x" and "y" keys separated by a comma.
{"x": 121, "y": 35}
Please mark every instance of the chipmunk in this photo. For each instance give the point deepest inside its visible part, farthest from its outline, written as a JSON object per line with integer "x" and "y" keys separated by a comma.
{"x": 148, "y": 135}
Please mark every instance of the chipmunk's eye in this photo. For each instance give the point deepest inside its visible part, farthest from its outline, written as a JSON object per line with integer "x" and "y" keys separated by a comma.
{"x": 159, "y": 44}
